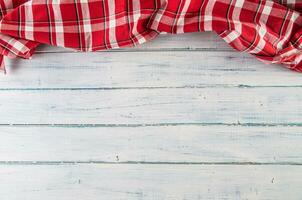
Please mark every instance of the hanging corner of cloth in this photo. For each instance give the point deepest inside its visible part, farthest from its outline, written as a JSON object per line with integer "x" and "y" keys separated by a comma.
{"x": 2, "y": 64}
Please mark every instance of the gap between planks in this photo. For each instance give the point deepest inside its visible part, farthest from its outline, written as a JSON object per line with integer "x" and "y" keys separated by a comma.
{"x": 149, "y": 88}
{"x": 155, "y": 125}
{"x": 143, "y": 163}
{"x": 136, "y": 50}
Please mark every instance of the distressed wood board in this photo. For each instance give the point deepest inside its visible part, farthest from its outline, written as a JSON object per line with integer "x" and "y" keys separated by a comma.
{"x": 181, "y": 117}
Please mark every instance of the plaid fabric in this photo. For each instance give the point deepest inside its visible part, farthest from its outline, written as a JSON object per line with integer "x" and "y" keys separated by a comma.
{"x": 269, "y": 30}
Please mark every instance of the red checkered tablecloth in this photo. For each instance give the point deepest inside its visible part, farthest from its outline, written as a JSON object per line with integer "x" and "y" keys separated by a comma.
{"x": 269, "y": 30}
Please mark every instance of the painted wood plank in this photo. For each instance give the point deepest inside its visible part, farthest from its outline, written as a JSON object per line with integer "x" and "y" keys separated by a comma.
{"x": 145, "y": 69}
{"x": 149, "y": 182}
{"x": 153, "y": 106}
{"x": 188, "y": 41}
{"x": 165, "y": 144}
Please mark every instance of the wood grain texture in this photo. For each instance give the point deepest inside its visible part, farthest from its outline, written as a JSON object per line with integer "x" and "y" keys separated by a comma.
{"x": 150, "y": 182}
{"x": 145, "y": 69}
{"x": 254, "y": 106}
{"x": 160, "y": 68}
{"x": 165, "y": 144}
{"x": 183, "y": 117}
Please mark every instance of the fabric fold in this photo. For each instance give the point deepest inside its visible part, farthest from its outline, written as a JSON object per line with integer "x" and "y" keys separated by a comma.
{"x": 269, "y": 30}
{"x": 10, "y": 46}
{"x": 264, "y": 29}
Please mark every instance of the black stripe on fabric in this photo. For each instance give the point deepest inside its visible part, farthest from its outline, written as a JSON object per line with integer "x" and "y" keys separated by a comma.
{"x": 228, "y": 13}
{"x": 257, "y": 11}
{"x": 19, "y": 22}
{"x": 297, "y": 41}
{"x": 129, "y": 23}
{"x": 283, "y": 22}
{"x": 155, "y": 10}
{"x": 1, "y": 12}
{"x": 49, "y": 22}
{"x": 105, "y": 24}
{"x": 79, "y": 25}
{"x": 199, "y": 15}
{"x": 176, "y": 17}
{"x": 252, "y": 44}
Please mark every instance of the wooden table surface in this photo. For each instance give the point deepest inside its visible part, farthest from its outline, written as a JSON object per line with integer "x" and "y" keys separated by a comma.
{"x": 182, "y": 117}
